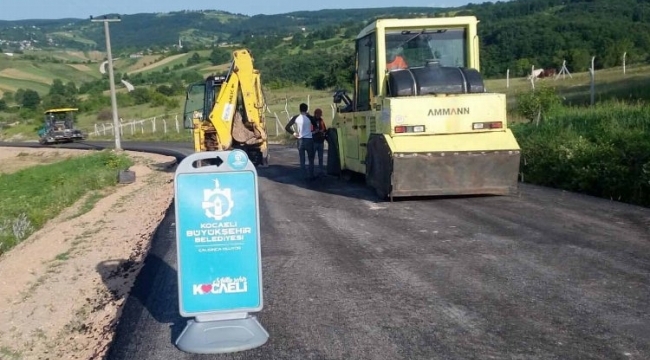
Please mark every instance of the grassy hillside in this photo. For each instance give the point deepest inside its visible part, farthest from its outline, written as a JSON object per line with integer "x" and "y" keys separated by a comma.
{"x": 146, "y": 54}
{"x": 514, "y": 34}
{"x": 38, "y": 72}
{"x": 610, "y": 84}
{"x": 139, "y": 31}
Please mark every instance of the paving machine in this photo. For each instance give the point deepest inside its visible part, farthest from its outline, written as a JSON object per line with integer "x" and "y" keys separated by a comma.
{"x": 420, "y": 121}
{"x": 227, "y": 112}
{"x": 59, "y": 127}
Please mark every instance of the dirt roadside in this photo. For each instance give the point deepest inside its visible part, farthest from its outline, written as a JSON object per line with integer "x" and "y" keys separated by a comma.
{"x": 61, "y": 290}
{"x": 14, "y": 159}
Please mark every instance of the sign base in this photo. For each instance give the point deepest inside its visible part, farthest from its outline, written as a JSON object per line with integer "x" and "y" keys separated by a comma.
{"x": 222, "y": 336}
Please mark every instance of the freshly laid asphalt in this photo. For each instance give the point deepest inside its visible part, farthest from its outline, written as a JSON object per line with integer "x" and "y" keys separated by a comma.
{"x": 543, "y": 274}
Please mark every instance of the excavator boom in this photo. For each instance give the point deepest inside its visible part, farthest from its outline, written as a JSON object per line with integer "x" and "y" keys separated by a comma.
{"x": 227, "y": 112}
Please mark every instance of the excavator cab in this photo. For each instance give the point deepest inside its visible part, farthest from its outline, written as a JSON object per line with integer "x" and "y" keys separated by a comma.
{"x": 200, "y": 99}
{"x": 420, "y": 121}
{"x": 227, "y": 112}
{"x": 199, "y": 102}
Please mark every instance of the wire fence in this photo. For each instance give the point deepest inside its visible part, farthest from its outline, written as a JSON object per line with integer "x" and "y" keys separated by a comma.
{"x": 173, "y": 124}
{"x": 279, "y": 125}
{"x": 152, "y": 125}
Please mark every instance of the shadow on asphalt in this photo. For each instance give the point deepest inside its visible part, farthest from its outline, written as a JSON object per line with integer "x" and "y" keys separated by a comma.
{"x": 154, "y": 293}
{"x": 83, "y": 143}
{"x": 355, "y": 187}
{"x": 352, "y": 187}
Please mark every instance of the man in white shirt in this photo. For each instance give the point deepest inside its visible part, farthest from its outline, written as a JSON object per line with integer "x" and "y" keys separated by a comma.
{"x": 304, "y": 124}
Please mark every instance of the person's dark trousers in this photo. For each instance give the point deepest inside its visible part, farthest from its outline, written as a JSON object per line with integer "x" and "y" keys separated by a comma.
{"x": 306, "y": 146}
{"x": 318, "y": 150}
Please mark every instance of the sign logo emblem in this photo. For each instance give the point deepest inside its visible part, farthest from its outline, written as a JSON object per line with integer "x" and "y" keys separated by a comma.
{"x": 238, "y": 159}
{"x": 217, "y": 203}
{"x": 223, "y": 285}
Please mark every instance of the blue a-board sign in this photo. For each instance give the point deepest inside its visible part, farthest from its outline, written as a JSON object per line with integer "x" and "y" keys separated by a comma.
{"x": 217, "y": 235}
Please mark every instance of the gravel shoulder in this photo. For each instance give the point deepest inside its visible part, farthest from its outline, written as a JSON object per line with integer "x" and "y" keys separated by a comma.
{"x": 62, "y": 289}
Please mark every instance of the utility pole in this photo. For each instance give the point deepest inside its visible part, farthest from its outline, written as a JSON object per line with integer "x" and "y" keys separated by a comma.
{"x": 116, "y": 123}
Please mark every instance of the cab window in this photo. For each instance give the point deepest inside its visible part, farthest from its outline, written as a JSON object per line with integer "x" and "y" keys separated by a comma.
{"x": 416, "y": 48}
{"x": 365, "y": 72}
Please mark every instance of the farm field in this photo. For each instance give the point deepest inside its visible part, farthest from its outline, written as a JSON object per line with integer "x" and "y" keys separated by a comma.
{"x": 39, "y": 73}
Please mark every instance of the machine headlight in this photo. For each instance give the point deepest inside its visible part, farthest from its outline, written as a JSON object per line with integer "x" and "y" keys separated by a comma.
{"x": 409, "y": 129}
{"x": 487, "y": 125}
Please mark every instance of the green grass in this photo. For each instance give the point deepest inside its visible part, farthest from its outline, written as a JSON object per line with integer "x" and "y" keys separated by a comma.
{"x": 16, "y": 73}
{"x": 9, "y": 354}
{"x": 183, "y": 136}
{"x": 76, "y": 36}
{"x": 609, "y": 84}
{"x": 602, "y": 150}
{"x": 129, "y": 113}
{"x": 32, "y": 196}
{"x": 292, "y": 97}
{"x": 9, "y": 84}
{"x": 35, "y": 68}
{"x": 158, "y": 62}
{"x": 205, "y": 67}
{"x": 67, "y": 55}
{"x": 62, "y": 256}
{"x": 67, "y": 73}
{"x": 26, "y": 129}
{"x": 89, "y": 203}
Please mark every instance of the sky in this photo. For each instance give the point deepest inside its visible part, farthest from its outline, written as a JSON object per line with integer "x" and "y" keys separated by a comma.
{"x": 56, "y": 9}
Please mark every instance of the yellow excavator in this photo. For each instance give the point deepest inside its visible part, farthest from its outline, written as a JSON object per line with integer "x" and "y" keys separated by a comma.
{"x": 227, "y": 112}
{"x": 420, "y": 121}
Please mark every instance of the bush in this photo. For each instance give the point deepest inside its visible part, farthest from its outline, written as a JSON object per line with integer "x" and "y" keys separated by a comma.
{"x": 602, "y": 151}
{"x": 535, "y": 104}
{"x": 105, "y": 115}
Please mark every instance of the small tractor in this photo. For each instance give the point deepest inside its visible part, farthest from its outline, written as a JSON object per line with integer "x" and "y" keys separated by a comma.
{"x": 59, "y": 127}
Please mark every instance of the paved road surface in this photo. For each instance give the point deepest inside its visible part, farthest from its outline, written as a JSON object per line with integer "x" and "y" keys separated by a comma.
{"x": 542, "y": 275}
{"x": 175, "y": 149}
